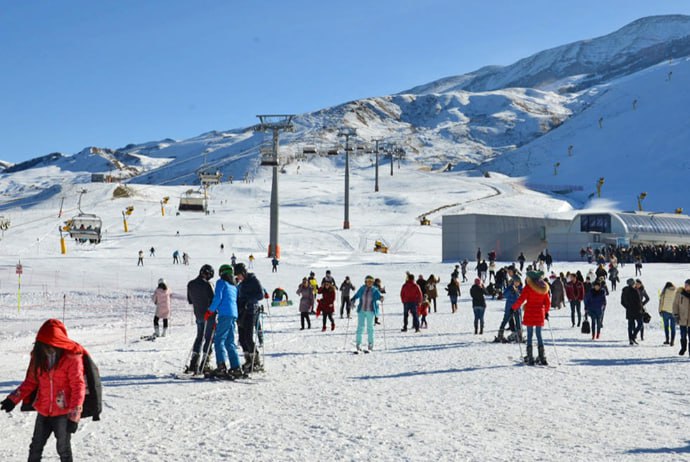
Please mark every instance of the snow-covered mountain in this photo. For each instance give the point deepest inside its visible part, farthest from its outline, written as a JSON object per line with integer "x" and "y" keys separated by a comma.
{"x": 581, "y": 64}
{"x": 511, "y": 119}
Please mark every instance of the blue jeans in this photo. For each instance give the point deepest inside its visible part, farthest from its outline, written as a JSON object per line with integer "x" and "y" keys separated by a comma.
{"x": 597, "y": 317}
{"x": 202, "y": 336}
{"x": 225, "y": 342}
{"x": 368, "y": 317}
{"x": 683, "y": 333}
{"x": 479, "y": 317}
{"x": 669, "y": 325}
{"x": 507, "y": 313}
{"x": 540, "y": 342}
{"x": 410, "y": 308}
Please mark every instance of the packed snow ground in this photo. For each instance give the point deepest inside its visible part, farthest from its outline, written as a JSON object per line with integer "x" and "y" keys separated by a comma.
{"x": 442, "y": 394}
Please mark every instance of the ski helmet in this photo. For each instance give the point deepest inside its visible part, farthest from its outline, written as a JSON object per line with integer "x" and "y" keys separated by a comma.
{"x": 207, "y": 271}
{"x": 225, "y": 269}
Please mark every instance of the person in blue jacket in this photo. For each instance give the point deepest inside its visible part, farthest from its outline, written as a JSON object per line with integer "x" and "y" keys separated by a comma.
{"x": 225, "y": 304}
{"x": 595, "y": 303}
{"x": 510, "y": 294}
{"x": 369, "y": 298}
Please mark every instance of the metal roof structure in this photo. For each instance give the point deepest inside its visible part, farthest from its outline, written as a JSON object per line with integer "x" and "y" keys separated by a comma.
{"x": 650, "y": 223}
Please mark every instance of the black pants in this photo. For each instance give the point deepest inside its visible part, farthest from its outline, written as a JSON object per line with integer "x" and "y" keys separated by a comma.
{"x": 305, "y": 317}
{"x": 326, "y": 317}
{"x": 575, "y": 309}
{"x": 42, "y": 430}
{"x": 633, "y": 328}
{"x": 344, "y": 305}
{"x": 245, "y": 329}
{"x": 156, "y": 319}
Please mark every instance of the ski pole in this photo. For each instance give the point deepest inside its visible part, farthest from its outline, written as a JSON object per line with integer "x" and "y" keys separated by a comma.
{"x": 270, "y": 326}
{"x": 518, "y": 328}
{"x": 347, "y": 328}
{"x": 553, "y": 342}
{"x": 383, "y": 326}
{"x": 191, "y": 350}
{"x": 205, "y": 359}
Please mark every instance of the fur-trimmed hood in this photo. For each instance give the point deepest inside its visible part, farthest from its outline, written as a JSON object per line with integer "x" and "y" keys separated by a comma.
{"x": 539, "y": 285}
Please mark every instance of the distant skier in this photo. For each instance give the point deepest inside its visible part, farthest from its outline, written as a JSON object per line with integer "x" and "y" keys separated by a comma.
{"x": 152, "y": 252}
{"x": 274, "y": 265}
{"x": 369, "y": 299}
{"x": 140, "y": 261}
{"x": 185, "y": 258}
{"x": 162, "y": 299}
{"x": 233, "y": 259}
{"x": 176, "y": 257}
{"x": 222, "y": 248}
{"x": 200, "y": 296}
{"x": 535, "y": 297}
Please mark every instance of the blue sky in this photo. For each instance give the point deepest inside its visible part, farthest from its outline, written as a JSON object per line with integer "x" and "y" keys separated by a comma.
{"x": 107, "y": 73}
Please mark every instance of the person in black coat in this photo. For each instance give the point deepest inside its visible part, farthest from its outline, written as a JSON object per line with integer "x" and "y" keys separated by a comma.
{"x": 200, "y": 296}
{"x": 249, "y": 296}
{"x": 478, "y": 305}
{"x": 631, "y": 301}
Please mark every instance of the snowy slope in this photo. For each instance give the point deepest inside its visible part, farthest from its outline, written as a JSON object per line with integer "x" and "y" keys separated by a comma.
{"x": 636, "y": 46}
{"x": 637, "y": 149}
{"x": 443, "y": 394}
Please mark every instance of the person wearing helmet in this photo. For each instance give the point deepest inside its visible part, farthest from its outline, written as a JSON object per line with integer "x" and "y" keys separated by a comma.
{"x": 249, "y": 296}
{"x": 200, "y": 296}
{"x": 225, "y": 304}
{"x": 161, "y": 298}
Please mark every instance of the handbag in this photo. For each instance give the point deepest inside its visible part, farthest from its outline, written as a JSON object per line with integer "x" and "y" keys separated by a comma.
{"x": 586, "y": 329}
{"x": 646, "y": 317}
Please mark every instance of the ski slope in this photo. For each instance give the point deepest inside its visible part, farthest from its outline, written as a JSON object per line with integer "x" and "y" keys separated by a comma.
{"x": 442, "y": 394}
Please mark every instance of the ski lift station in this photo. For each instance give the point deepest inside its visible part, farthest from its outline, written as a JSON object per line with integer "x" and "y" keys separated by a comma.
{"x": 193, "y": 201}
{"x": 510, "y": 235}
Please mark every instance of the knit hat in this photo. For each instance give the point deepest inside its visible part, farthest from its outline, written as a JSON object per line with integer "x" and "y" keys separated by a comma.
{"x": 630, "y": 281}
{"x": 369, "y": 277}
{"x": 687, "y": 282}
{"x": 54, "y": 333}
{"x": 535, "y": 275}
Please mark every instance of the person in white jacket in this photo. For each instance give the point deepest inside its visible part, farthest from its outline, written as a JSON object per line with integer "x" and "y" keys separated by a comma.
{"x": 161, "y": 298}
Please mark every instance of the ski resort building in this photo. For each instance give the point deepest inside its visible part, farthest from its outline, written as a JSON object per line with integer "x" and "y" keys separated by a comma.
{"x": 510, "y": 235}
{"x": 505, "y": 234}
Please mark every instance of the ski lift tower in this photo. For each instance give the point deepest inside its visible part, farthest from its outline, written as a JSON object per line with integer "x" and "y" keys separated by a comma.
{"x": 348, "y": 133}
{"x": 274, "y": 123}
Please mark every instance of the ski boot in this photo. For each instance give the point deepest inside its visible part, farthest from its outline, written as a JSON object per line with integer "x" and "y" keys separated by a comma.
{"x": 541, "y": 359}
{"x": 220, "y": 372}
{"x": 237, "y": 373}
{"x": 193, "y": 364}
{"x": 500, "y": 338}
{"x": 529, "y": 359}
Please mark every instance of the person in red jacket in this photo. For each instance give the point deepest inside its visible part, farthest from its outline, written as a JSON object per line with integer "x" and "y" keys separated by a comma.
{"x": 327, "y": 303}
{"x": 56, "y": 374}
{"x": 535, "y": 296}
{"x": 575, "y": 291}
{"x": 423, "y": 312}
{"x": 411, "y": 297}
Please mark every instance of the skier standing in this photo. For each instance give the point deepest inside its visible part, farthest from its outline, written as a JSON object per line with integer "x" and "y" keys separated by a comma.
{"x": 681, "y": 311}
{"x": 225, "y": 304}
{"x": 176, "y": 257}
{"x": 152, "y": 252}
{"x": 369, "y": 299}
{"x": 306, "y": 302}
{"x": 511, "y": 294}
{"x": 161, "y": 298}
{"x": 326, "y": 303}
{"x": 345, "y": 288}
{"x": 200, "y": 296}
{"x": 478, "y": 306}
{"x": 140, "y": 261}
{"x": 56, "y": 374}
{"x": 535, "y": 297}
{"x": 274, "y": 265}
{"x": 249, "y": 298}
{"x": 410, "y": 296}
{"x": 666, "y": 312}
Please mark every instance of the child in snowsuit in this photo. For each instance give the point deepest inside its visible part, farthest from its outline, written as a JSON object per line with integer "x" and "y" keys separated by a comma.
{"x": 161, "y": 298}
{"x": 56, "y": 374}
{"x": 423, "y": 311}
{"x": 327, "y": 303}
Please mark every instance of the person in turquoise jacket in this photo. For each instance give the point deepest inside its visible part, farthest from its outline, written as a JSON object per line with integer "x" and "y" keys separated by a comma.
{"x": 368, "y": 307}
{"x": 225, "y": 304}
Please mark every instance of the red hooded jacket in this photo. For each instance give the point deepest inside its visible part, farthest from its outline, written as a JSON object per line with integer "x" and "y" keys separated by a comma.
{"x": 325, "y": 303}
{"x": 411, "y": 293}
{"x": 61, "y": 389}
{"x": 536, "y": 294}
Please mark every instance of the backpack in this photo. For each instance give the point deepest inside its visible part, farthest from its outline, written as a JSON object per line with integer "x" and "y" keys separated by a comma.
{"x": 93, "y": 405}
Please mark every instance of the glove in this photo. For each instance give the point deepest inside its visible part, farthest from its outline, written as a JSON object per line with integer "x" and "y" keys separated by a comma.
{"x": 72, "y": 426}
{"x": 7, "y": 405}
{"x": 546, "y": 316}
{"x": 208, "y": 315}
{"x": 266, "y": 295}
